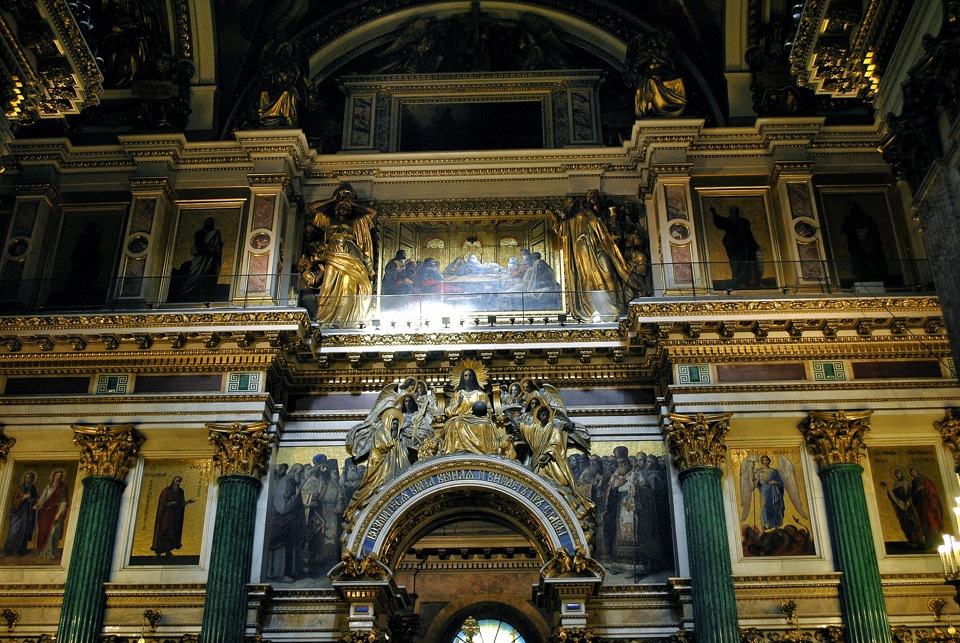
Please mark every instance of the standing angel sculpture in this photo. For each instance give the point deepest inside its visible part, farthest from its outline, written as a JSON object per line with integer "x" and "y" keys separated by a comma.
{"x": 337, "y": 263}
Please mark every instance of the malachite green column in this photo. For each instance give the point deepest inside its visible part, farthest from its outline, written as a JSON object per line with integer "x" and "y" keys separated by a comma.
{"x": 696, "y": 444}
{"x": 107, "y": 455}
{"x": 242, "y": 452}
{"x": 836, "y": 440}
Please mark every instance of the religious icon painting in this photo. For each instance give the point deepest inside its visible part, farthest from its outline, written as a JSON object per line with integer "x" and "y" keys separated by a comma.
{"x": 204, "y": 262}
{"x": 864, "y": 243}
{"x": 39, "y": 507}
{"x": 84, "y": 262}
{"x": 740, "y": 250}
{"x": 170, "y": 512}
{"x": 309, "y": 489}
{"x": 629, "y": 482}
{"x": 772, "y": 504}
{"x": 909, "y": 492}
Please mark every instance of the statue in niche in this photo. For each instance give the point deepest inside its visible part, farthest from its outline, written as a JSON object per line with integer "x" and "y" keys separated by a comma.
{"x": 128, "y": 38}
{"x": 337, "y": 263}
{"x": 283, "y": 90}
{"x": 652, "y": 72}
{"x": 596, "y": 270}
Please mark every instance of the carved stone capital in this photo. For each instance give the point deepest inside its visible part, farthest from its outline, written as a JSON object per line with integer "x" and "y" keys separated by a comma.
{"x": 5, "y": 445}
{"x": 241, "y": 448}
{"x": 836, "y": 438}
{"x": 364, "y": 636}
{"x": 107, "y": 450}
{"x": 949, "y": 428}
{"x": 697, "y": 441}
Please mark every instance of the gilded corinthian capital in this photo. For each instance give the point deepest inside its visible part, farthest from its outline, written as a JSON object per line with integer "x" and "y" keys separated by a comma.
{"x": 107, "y": 450}
{"x": 697, "y": 441}
{"x": 949, "y": 428}
{"x": 836, "y": 438}
{"x": 241, "y": 448}
{"x": 5, "y": 445}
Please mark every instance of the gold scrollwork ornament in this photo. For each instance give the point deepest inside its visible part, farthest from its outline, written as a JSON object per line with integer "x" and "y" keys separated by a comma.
{"x": 949, "y": 428}
{"x": 107, "y": 450}
{"x": 241, "y": 449}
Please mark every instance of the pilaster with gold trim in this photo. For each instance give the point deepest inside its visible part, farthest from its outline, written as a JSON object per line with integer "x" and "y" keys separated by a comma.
{"x": 107, "y": 454}
{"x": 270, "y": 203}
{"x": 804, "y": 249}
{"x": 242, "y": 452}
{"x": 24, "y": 252}
{"x": 145, "y": 241}
{"x": 836, "y": 441}
{"x": 698, "y": 449}
{"x": 679, "y": 262}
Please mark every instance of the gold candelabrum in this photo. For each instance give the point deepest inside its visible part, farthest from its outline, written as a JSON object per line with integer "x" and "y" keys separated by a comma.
{"x": 950, "y": 553}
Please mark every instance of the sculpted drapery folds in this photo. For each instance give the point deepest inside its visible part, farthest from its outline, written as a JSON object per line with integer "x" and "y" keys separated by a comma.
{"x": 596, "y": 271}
{"x": 337, "y": 264}
{"x": 651, "y": 70}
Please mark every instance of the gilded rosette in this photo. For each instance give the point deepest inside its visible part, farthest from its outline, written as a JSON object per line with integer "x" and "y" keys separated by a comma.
{"x": 836, "y": 438}
{"x": 949, "y": 428}
{"x": 242, "y": 449}
{"x": 107, "y": 450}
{"x": 697, "y": 441}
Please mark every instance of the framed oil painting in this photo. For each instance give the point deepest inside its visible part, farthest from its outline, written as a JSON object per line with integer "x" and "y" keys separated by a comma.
{"x": 309, "y": 489}
{"x": 772, "y": 504}
{"x": 469, "y": 265}
{"x": 629, "y": 482}
{"x": 909, "y": 491}
{"x": 38, "y": 510}
{"x": 85, "y": 259}
{"x": 434, "y": 127}
{"x": 204, "y": 254}
{"x": 740, "y": 250}
{"x": 171, "y": 507}
{"x": 864, "y": 243}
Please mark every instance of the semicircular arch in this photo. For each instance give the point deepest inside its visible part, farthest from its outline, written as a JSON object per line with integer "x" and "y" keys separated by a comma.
{"x": 452, "y": 487}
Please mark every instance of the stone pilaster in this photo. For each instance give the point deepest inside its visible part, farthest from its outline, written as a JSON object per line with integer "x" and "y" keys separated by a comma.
{"x": 107, "y": 453}
{"x": 949, "y": 428}
{"x": 242, "y": 452}
{"x": 698, "y": 450}
{"x": 836, "y": 441}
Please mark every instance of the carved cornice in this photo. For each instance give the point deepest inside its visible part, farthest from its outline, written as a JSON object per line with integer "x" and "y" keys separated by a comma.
{"x": 836, "y": 438}
{"x": 107, "y": 450}
{"x": 949, "y": 429}
{"x": 241, "y": 448}
{"x": 697, "y": 441}
{"x": 513, "y": 207}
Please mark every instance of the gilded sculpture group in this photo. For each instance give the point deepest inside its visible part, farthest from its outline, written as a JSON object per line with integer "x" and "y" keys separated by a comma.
{"x": 408, "y": 423}
{"x": 604, "y": 257}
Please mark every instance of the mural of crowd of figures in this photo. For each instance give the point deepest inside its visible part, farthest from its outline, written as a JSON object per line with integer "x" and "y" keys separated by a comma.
{"x": 909, "y": 491}
{"x": 773, "y": 508}
{"x": 619, "y": 491}
{"x": 39, "y": 510}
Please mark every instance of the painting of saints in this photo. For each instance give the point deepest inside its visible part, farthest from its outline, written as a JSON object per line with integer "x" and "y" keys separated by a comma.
{"x": 168, "y": 525}
{"x": 52, "y": 508}
{"x": 23, "y": 516}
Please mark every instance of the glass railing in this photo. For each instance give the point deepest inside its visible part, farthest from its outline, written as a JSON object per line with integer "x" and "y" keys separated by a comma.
{"x": 447, "y": 306}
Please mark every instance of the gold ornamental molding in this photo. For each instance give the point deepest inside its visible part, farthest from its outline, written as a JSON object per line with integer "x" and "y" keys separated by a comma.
{"x": 241, "y": 449}
{"x": 697, "y": 441}
{"x": 836, "y": 438}
{"x": 949, "y": 429}
{"x": 850, "y": 305}
{"x": 107, "y": 450}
